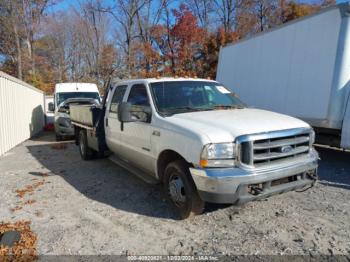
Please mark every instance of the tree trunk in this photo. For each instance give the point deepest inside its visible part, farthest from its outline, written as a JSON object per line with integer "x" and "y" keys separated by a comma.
{"x": 19, "y": 52}
{"x": 31, "y": 54}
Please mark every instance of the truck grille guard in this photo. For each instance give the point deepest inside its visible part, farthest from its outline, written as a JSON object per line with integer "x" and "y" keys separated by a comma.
{"x": 263, "y": 150}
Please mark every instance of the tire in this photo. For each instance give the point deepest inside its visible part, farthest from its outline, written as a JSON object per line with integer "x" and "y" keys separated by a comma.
{"x": 86, "y": 153}
{"x": 181, "y": 191}
{"x": 58, "y": 138}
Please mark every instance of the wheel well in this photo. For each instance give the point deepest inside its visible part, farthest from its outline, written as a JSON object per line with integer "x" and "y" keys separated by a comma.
{"x": 165, "y": 158}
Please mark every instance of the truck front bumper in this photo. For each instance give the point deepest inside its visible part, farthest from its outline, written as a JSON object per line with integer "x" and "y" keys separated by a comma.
{"x": 239, "y": 185}
{"x": 63, "y": 127}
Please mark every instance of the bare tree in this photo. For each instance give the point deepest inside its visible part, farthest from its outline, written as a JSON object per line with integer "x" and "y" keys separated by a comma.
{"x": 79, "y": 40}
{"x": 31, "y": 14}
{"x": 203, "y": 9}
{"x": 10, "y": 22}
{"x": 56, "y": 29}
{"x": 258, "y": 15}
{"x": 23, "y": 18}
{"x": 169, "y": 39}
{"x": 147, "y": 18}
{"x": 226, "y": 12}
{"x": 95, "y": 27}
{"x": 265, "y": 11}
{"x": 125, "y": 14}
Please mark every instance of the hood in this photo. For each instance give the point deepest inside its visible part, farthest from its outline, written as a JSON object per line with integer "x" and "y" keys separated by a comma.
{"x": 79, "y": 101}
{"x": 225, "y": 125}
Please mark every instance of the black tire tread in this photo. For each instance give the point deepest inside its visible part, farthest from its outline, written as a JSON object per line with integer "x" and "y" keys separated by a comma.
{"x": 89, "y": 153}
{"x": 195, "y": 205}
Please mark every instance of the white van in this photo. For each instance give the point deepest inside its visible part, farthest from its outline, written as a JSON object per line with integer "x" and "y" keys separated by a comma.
{"x": 66, "y": 94}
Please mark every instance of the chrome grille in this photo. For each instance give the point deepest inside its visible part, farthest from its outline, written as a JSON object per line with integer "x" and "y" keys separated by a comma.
{"x": 264, "y": 149}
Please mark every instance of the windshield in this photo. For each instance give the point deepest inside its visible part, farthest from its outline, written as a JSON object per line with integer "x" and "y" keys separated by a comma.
{"x": 187, "y": 96}
{"x": 61, "y": 97}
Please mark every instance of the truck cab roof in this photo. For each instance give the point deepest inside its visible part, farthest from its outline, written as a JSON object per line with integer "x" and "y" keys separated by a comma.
{"x": 160, "y": 79}
{"x": 75, "y": 87}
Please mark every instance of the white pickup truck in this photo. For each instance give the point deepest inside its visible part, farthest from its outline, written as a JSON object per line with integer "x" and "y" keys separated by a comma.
{"x": 199, "y": 140}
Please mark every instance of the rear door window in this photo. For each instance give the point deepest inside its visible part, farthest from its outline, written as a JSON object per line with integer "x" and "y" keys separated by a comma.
{"x": 117, "y": 98}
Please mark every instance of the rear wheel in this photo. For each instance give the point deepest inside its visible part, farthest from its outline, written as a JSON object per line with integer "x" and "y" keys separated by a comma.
{"x": 86, "y": 153}
{"x": 181, "y": 190}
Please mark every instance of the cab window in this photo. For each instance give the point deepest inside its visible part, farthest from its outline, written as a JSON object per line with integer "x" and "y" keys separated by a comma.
{"x": 117, "y": 98}
{"x": 138, "y": 95}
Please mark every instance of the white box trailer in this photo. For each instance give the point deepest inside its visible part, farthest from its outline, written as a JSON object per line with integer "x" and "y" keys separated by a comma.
{"x": 301, "y": 68}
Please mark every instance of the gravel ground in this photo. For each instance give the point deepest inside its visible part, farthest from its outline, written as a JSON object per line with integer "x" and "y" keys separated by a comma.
{"x": 96, "y": 207}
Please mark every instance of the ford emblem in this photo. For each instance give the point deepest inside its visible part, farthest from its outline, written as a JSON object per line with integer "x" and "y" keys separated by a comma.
{"x": 286, "y": 149}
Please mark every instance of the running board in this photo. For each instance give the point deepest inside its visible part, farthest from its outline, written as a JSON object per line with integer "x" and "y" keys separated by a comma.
{"x": 137, "y": 172}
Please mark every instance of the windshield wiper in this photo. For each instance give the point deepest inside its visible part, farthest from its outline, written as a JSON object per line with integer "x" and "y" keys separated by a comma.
{"x": 227, "y": 107}
{"x": 190, "y": 108}
{"x": 184, "y": 109}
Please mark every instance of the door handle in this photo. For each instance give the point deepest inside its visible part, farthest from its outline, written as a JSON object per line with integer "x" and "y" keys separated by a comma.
{"x": 106, "y": 121}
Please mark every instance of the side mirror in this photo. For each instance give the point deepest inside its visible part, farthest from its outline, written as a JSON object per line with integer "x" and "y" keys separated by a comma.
{"x": 128, "y": 113}
{"x": 51, "y": 107}
{"x": 124, "y": 113}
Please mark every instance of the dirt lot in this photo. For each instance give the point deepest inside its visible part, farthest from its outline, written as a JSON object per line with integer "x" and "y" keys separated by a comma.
{"x": 96, "y": 207}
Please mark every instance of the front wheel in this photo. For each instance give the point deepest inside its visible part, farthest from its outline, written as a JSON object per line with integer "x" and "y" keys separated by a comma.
{"x": 58, "y": 138}
{"x": 181, "y": 190}
{"x": 86, "y": 153}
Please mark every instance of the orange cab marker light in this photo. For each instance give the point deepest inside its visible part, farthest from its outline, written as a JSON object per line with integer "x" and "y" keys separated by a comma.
{"x": 203, "y": 163}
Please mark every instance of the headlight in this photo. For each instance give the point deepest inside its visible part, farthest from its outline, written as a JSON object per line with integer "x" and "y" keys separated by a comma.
{"x": 64, "y": 122}
{"x": 218, "y": 155}
{"x": 312, "y": 137}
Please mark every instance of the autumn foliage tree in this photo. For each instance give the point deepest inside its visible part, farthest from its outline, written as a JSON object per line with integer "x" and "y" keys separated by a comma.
{"x": 188, "y": 39}
{"x": 294, "y": 10}
{"x": 95, "y": 41}
{"x": 211, "y": 51}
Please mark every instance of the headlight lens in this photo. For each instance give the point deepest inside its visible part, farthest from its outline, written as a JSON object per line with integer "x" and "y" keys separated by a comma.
{"x": 218, "y": 155}
{"x": 312, "y": 137}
